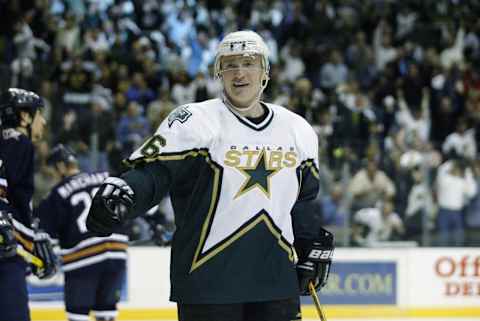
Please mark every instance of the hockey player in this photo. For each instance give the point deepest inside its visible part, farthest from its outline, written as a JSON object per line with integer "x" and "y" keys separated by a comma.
{"x": 94, "y": 267}
{"x": 235, "y": 168}
{"x": 21, "y": 124}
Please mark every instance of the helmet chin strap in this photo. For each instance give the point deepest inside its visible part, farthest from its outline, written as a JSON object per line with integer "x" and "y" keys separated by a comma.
{"x": 244, "y": 110}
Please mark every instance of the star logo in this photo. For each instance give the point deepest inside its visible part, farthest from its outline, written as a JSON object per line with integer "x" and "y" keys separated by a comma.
{"x": 257, "y": 176}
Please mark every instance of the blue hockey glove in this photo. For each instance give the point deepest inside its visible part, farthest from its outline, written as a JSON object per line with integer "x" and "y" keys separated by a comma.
{"x": 8, "y": 244}
{"x": 42, "y": 248}
{"x": 110, "y": 206}
{"x": 314, "y": 261}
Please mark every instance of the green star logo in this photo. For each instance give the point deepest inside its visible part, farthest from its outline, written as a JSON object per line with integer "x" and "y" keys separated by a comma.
{"x": 257, "y": 176}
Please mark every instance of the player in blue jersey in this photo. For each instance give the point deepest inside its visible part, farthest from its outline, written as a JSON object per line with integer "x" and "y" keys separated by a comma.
{"x": 236, "y": 169}
{"x": 94, "y": 267}
{"x": 22, "y": 124}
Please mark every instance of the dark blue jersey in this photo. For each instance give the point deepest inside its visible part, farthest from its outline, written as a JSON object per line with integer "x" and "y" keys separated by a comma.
{"x": 16, "y": 182}
{"x": 63, "y": 215}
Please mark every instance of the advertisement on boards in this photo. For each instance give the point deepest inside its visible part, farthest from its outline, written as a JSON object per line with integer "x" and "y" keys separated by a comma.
{"x": 445, "y": 276}
{"x": 353, "y": 282}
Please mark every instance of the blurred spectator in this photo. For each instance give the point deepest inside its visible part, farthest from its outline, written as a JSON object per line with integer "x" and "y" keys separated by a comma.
{"x": 372, "y": 226}
{"x": 369, "y": 186}
{"x": 414, "y": 122}
{"x": 293, "y": 65}
{"x": 96, "y": 40}
{"x": 139, "y": 91}
{"x": 420, "y": 207}
{"x": 443, "y": 120}
{"x": 461, "y": 142}
{"x": 132, "y": 129}
{"x": 305, "y": 99}
{"x": 332, "y": 211}
{"x": 382, "y": 44}
{"x": 183, "y": 91}
{"x": 101, "y": 124}
{"x": 357, "y": 52}
{"x": 159, "y": 109}
{"x": 453, "y": 53}
{"x": 355, "y": 122}
{"x": 455, "y": 186}
{"x": 68, "y": 37}
{"x": 334, "y": 72}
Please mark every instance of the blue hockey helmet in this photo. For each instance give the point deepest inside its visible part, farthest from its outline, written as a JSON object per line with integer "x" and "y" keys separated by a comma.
{"x": 15, "y": 100}
{"x": 61, "y": 153}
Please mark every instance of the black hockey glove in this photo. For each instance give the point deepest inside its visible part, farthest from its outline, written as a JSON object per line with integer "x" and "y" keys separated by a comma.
{"x": 110, "y": 206}
{"x": 42, "y": 248}
{"x": 8, "y": 244}
{"x": 314, "y": 260}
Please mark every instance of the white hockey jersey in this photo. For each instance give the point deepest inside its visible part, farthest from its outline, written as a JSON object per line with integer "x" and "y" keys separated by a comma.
{"x": 233, "y": 185}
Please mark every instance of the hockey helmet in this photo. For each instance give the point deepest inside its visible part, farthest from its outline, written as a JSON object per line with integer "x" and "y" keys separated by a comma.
{"x": 245, "y": 42}
{"x": 15, "y": 100}
{"x": 61, "y": 153}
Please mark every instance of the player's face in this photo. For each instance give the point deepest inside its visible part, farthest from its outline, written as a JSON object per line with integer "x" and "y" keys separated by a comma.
{"x": 242, "y": 77}
{"x": 38, "y": 126}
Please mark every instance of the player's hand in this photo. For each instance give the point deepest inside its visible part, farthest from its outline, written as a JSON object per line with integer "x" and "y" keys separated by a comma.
{"x": 8, "y": 244}
{"x": 42, "y": 248}
{"x": 315, "y": 259}
{"x": 110, "y": 206}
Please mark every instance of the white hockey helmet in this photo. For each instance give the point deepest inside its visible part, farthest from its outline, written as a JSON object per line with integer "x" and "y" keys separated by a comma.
{"x": 245, "y": 42}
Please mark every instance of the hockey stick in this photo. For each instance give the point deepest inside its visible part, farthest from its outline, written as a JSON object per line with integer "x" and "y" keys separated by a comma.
{"x": 314, "y": 295}
{"x": 29, "y": 258}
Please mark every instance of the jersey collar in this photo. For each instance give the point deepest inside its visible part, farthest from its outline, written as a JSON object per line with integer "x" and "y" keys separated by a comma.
{"x": 244, "y": 120}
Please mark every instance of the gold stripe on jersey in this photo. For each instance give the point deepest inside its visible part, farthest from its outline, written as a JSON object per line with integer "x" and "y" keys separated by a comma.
{"x": 311, "y": 165}
{"x": 262, "y": 217}
{"x": 93, "y": 250}
{"x": 168, "y": 157}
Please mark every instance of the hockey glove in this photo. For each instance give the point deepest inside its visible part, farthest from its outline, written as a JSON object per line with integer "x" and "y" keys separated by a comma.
{"x": 42, "y": 248}
{"x": 8, "y": 244}
{"x": 314, "y": 260}
{"x": 110, "y": 206}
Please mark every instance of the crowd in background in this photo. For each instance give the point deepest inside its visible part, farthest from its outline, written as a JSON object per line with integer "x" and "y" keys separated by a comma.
{"x": 392, "y": 89}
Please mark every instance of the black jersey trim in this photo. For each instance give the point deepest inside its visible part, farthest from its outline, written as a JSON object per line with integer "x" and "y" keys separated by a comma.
{"x": 264, "y": 124}
{"x": 308, "y": 164}
{"x": 261, "y": 217}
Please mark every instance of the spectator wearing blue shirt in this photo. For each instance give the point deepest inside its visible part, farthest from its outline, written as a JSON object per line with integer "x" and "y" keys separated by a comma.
{"x": 132, "y": 129}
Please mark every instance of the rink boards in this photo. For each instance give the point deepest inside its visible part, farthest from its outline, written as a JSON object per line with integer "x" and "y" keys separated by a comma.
{"x": 414, "y": 282}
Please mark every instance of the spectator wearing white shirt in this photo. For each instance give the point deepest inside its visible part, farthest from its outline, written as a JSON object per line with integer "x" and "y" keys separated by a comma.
{"x": 294, "y": 67}
{"x": 420, "y": 207}
{"x": 453, "y": 54}
{"x": 374, "y": 225}
{"x": 382, "y": 44}
{"x": 414, "y": 122}
{"x": 369, "y": 186}
{"x": 455, "y": 186}
{"x": 461, "y": 142}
